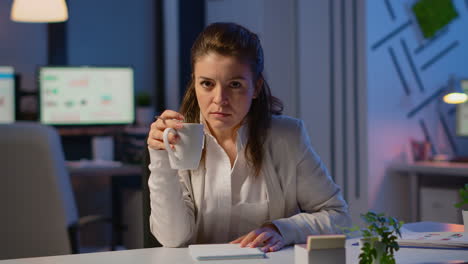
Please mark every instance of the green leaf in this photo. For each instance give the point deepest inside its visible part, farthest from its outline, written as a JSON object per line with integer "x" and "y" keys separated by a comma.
{"x": 367, "y": 233}
{"x": 463, "y": 193}
{"x": 383, "y": 229}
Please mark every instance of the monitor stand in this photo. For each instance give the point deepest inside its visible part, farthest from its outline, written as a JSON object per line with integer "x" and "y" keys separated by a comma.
{"x": 102, "y": 148}
{"x": 102, "y": 155}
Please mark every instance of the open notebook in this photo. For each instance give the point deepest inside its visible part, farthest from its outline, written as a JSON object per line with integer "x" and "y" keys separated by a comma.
{"x": 224, "y": 251}
{"x": 434, "y": 239}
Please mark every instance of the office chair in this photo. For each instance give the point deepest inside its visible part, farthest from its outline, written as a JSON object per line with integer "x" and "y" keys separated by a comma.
{"x": 38, "y": 211}
{"x": 148, "y": 239}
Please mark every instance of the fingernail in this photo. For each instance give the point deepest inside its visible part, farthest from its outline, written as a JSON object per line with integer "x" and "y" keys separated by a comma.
{"x": 179, "y": 125}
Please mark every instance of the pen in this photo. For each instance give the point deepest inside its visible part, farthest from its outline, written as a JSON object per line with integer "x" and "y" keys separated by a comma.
{"x": 159, "y": 117}
{"x": 164, "y": 119}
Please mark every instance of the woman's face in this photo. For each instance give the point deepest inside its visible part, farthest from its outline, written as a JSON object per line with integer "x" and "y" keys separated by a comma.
{"x": 225, "y": 88}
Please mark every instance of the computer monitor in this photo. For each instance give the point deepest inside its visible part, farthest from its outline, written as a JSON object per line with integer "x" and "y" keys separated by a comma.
{"x": 7, "y": 94}
{"x": 86, "y": 95}
{"x": 462, "y": 113}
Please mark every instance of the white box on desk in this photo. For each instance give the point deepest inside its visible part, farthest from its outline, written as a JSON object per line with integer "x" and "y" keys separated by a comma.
{"x": 321, "y": 249}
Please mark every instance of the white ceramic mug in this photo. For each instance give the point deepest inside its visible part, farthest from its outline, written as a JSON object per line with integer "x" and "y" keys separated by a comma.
{"x": 188, "y": 149}
{"x": 465, "y": 219}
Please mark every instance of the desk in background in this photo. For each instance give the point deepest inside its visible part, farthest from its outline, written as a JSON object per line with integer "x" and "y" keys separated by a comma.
{"x": 104, "y": 171}
{"x": 114, "y": 178}
{"x": 420, "y": 169}
{"x": 285, "y": 256}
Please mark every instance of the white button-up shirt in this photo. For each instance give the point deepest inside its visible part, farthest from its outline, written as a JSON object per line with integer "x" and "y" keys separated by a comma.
{"x": 235, "y": 200}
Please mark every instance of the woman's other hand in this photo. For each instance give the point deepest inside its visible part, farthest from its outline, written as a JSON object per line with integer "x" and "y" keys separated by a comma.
{"x": 167, "y": 119}
{"x": 268, "y": 237}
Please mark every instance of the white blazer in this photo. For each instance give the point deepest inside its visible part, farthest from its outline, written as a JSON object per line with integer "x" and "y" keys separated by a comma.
{"x": 303, "y": 198}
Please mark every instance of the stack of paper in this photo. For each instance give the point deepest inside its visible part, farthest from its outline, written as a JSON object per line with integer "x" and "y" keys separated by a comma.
{"x": 323, "y": 249}
{"x": 326, "y": 241}
{"x": 434, "y": 239}
{"x": 224, "y": 251}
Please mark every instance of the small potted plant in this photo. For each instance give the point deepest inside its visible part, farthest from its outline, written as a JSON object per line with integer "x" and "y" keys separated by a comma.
{"x": 378, "y": 243}
{"x": 464, "y": 200}
{"x": 144, "y": 108}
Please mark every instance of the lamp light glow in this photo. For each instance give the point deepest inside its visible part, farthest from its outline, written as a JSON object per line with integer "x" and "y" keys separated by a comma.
{"x": 455, "y": 98}
{"x": 39, "y": 11}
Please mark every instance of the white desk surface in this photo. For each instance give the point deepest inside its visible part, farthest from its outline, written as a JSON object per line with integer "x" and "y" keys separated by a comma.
{"x": 433, "y": 167}
{"x": 181, "y": 255}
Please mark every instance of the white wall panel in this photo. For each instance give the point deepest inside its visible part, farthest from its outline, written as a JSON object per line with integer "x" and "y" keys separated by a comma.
{"x": 275, "y": 23}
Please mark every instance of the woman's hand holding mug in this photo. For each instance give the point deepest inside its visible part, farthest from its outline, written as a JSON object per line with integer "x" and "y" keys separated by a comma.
{"x": 168, "y": 119}
{"x": 183, "y": 141}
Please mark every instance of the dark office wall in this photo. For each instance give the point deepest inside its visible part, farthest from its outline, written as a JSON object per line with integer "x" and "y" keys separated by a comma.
{"x": 114, "y": 32}
{"x": 105, "y": 32}
{"x": 22, "y": 45}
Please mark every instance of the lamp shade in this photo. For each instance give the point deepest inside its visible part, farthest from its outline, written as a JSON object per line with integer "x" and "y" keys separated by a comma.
{"x": 458, "y": 91}
{"x": 455, "y": 98}
{"x": 39, "y": 11}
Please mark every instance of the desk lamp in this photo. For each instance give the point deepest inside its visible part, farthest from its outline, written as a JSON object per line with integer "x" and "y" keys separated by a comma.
{"x": 39, "y": 11}
{"x": 459, "y": 93}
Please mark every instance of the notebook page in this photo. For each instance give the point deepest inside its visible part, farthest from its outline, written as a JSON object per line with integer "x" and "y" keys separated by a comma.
{"x": 223, "y": 251}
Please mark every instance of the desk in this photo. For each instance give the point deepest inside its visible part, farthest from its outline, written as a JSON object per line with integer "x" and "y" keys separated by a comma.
{"x": 420, "y": 169}
{"x": 285, "y": 256}
{"x": 119, "y": 178}
{"x": 125, "y": 169}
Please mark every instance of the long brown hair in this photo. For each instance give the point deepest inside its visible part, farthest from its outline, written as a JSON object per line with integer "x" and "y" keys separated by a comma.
{"x": 230, "y": 39}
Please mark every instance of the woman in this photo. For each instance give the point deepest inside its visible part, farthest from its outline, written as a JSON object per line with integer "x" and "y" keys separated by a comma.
{"x": 259, "y": 182}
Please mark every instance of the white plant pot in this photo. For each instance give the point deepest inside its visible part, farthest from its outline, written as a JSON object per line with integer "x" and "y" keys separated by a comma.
{"x": 465, "y": 219}
{"x": 379, "y": 247}
{"x": 144, "y": 116}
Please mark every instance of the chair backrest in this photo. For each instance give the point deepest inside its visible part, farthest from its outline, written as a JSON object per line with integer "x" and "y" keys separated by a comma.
{"x": 36, "y": 198}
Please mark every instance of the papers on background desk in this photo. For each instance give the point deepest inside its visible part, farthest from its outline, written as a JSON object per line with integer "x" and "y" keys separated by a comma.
{"x": 224, "y": 252}
{"x": 434, "y": 239}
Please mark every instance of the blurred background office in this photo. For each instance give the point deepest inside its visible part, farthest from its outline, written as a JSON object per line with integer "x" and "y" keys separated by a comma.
{"x": 367, "y": 77}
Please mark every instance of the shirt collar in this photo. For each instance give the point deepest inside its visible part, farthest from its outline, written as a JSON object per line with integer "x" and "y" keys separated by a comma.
{"x": 242, "y": 133}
